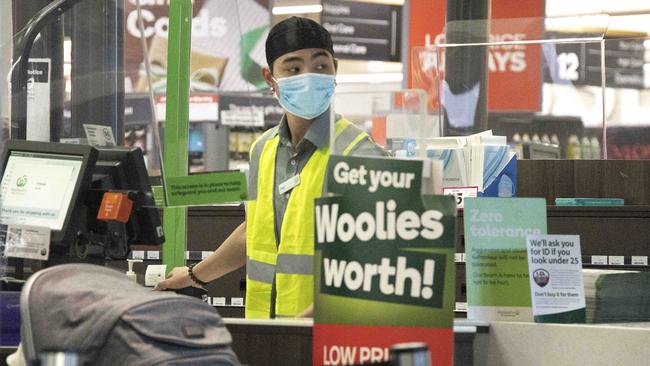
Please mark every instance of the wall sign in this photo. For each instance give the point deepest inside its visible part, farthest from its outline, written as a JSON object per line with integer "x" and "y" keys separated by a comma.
{"x": 249, "y": 111}
{"x": 38, "y": 99}
{"x": 203, "y": 107}
{"x": 363, "y": 31}
{"x": 579, "y": 63}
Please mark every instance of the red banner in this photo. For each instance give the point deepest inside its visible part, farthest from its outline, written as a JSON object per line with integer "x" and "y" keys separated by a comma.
{"x": 515, "y": 73}
{"x": 336, "y": 344}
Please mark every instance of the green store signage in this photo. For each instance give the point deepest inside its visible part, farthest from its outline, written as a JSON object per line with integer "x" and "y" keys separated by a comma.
{"x": 205, "y": 189}
{"x": 498, "y": 285}
{"x": 384, "y": 260}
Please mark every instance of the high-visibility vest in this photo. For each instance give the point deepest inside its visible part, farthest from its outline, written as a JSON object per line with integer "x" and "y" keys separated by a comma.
{"x": 289, "y": 261}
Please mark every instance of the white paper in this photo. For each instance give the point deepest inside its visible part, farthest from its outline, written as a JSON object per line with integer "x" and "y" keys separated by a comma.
{"x": 28, "y": 242}
{"x": 99, "y": 135}
{"x": 454, "y": 165}
{"x": 460, "y": 193}
{"x": 154, "y": 274}
{"x": 555, "y": 270}
{"x": 38, "y": 99}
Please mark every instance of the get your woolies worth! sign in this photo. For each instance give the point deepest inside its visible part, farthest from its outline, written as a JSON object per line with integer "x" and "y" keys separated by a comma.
{"x": 384, "y": 269}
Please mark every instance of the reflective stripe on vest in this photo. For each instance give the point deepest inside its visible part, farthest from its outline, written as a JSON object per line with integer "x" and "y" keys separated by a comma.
{"x": 289, "y": 263}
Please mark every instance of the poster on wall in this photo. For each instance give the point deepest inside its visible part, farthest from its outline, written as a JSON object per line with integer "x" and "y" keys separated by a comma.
{"x": 363, "y": 31}
{"x": 227, "y": 45}
{"x": 580, "y": 63}
{"x": 510, "y": 66}
{"x": 384, "y": 268}
{"x": 498, "y": 285}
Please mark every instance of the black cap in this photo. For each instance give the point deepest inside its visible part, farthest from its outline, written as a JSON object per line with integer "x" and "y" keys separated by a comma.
{"x": 295, "y": 34}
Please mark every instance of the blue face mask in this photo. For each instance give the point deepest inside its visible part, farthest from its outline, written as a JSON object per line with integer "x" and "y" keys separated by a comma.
{"x": 306, "y": 95}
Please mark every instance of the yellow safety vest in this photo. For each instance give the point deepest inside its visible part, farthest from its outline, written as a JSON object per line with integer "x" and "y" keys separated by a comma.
{"x": 290, "y": 262}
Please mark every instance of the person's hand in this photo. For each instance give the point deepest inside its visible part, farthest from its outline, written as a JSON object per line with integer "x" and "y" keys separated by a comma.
{"x": 177, "y": 278}
{"x": 307, "y": 313}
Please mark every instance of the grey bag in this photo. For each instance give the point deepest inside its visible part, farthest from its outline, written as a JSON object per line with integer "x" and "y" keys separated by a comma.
{"x": 108, "y": 320}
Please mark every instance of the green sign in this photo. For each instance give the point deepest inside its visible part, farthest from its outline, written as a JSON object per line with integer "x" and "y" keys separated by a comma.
{"x": 205, "y": 189}
{"x": 398, "y": 276}
{"x": 384, "y": 269}
{"x": 498, "y": 285}
{"x": 348, "y": 175}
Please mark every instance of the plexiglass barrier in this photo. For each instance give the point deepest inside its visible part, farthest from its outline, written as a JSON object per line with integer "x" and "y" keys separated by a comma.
{"x": 543, "y": 83}
{"x": 86, "y": 73}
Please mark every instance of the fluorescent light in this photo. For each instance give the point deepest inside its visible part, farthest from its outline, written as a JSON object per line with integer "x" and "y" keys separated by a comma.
{"x": 297, "y": 9}
{"x": 394, "y": 77}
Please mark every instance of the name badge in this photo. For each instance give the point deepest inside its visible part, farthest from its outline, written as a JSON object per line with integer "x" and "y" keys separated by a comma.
{"x": 289, "y": 184}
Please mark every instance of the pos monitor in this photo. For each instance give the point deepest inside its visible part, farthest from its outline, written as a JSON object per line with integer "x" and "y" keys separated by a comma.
{"x": 61, "y": 186}
{"x": 43, "y": 184}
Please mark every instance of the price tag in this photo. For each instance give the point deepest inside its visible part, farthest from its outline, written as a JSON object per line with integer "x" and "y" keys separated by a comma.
{"x": 460, "y": 193}
{"x": 237, "y": 301}
{"x": 461, "y": 306}
{"x": 205, "y": 254}
{"x": 153, "y": 255}
{"x": 458, "y": 257}
{"x": 599, "y": 260}
{"x": 29, "y": 242}
{"x": 137, "y": 254}
{"x": 616, "y": 260}
{"x": 218, "y": 301}
{"x": 639, "y": 260}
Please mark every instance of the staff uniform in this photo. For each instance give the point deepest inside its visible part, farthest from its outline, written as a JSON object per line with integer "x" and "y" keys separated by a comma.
{"x": 279, "y": 263}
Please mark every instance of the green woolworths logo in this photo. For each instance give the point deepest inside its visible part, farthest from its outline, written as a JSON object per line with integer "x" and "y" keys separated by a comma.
{"x": 21, "y": 181}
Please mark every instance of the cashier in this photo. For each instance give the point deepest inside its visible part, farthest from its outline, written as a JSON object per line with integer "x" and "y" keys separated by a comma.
{"x": 287, "y": 172}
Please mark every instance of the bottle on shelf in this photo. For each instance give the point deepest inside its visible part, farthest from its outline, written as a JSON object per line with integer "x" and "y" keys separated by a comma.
{"x": 585, "y": 148}
{"x": 517, "y": 146}
{"x": 546, "y": 139}
{"x": 595, "y": 148}
{"x": 573, "y": 148}
{"x": 555, "y": 140}
{"x": 536, "y": 139}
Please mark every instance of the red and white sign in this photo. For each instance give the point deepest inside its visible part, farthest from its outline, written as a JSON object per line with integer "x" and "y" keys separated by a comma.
{"x": 515, "y": 72}
{"x": 202, "y": 107}
{"x": 353, "y": 345}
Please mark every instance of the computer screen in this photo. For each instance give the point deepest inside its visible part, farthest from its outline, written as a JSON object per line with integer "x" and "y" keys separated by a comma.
{"x": 37, "y": 187}
{"x": 123, "y": 169}
{"x": 41, "y": 183}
